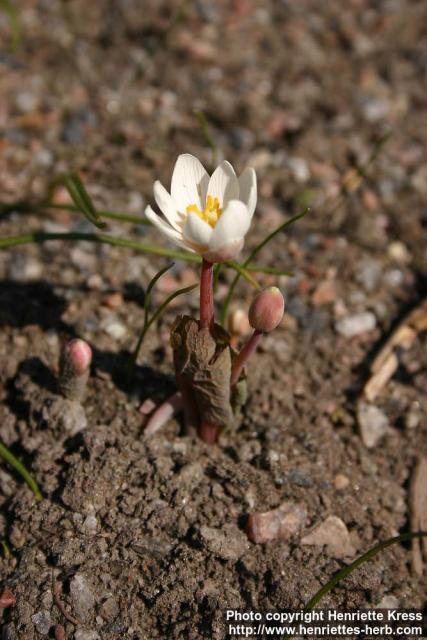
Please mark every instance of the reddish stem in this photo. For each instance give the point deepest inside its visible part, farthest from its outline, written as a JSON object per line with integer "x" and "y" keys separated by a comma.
{"x": 208, "y": 432}
{"x": 191, "y": 415}
{"x": 206, "y": 296}
{"x": 244, "y": 355}
{"x": 162, "y": 414}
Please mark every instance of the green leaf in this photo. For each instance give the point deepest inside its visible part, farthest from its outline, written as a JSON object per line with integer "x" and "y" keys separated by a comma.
{"x": 157, "y": 315}
{"x": 241, "y": 271}
{"x": 6, "y": 550}
{"x": 268, "y": 270}
{"x": 14, "y": 22}
{"x": 102, "y": 213}
{"x": 39, "y": 237}
{"x": 147, "y": 302}
{"x": 19, "y": 467}
{"x": 81, "y": 199}
{"x": 152, "y": 283}
{"x": 346, "y": 571}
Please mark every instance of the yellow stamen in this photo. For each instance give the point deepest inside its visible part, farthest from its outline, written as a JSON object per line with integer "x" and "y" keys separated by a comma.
{"x": 211, "y": 213}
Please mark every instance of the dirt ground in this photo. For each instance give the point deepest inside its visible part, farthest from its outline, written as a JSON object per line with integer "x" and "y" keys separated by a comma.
{"x": 144, "y": 538}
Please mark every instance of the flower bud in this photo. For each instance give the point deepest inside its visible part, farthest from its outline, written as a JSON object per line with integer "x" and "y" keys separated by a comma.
{"x": 238, "y": 323}
{"x": 266, "y": 311}
{"x": 74, "y": 369}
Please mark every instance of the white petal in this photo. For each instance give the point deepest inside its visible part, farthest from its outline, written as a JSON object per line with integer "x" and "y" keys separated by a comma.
{"x": 196, "y": 230}
{"x": 232, "y": 225}
{"x": 189, "y": 182}
{"x": 223, "y": 184}
{"x": 165, "y": 228}
{"x": 167, "y": 205}
{"x": 248, "y": 189}
{"x": 227, "y": 251}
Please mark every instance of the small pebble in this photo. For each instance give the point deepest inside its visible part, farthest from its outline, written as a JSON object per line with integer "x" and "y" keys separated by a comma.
{"x": 324, "y": 293}
{"x": 413, "y": 417}
{"x": 334, "y": 535}
{"x": 394, "y": 278}
{"x": 299, "y": 478}
{"x": 25, "y": 268}
{"x": 110, "y": 609}
{"x": 42, "y": 621}
{"x": 375, "y": 109}
{"x": 114, "y": 328}
{"x": 95, "y": 282}
{"x": 228, "y": 542}
{"x": 398, "y": 252}
{"x": 419, "y": 180}
{"x": 299, "y": 169}
{"x": 369, "y": 199}
{"x": 82, "y": 259}
{"x": 283, "y": 523}
{"x": 17, "y": 537}
{"x": 147, "y": 407}
{"x": 7, "y": 599}
{"x": 356, "y": 324}
{"x": 90, "y": 525}
{"x": 86, "y": 634}
{"x": 113, "y": 301}
{"x": 368, "y": 274}
{"x": 388, "y": 602}
{"x": 20, "y": 341}
{"x": 373, "y": 423}
{"x": 26, "y": 101}
{"x": 341, "y": 482}
{"x": 44, "y": 158}
{"x": 82, "y": 596}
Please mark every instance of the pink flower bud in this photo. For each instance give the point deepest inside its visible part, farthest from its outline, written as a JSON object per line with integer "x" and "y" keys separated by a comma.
{"x": 74, "y": 369}
{"x": 79, "y": 355}
{"x": 266, "y": 311}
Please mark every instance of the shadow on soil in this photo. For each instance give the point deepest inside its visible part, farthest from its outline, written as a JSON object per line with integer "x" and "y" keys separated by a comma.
{"x": 38, "y": 303}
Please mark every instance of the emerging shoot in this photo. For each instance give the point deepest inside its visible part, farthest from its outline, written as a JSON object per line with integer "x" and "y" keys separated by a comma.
{"x": 75, "y": 363}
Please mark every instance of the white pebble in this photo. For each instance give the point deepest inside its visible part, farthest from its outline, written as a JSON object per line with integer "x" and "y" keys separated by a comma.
{"x": 85, "y": 634}
{"x": 82, "y": 596}
{"x": 373, "y": 423}
{"x": 398, "y": 251}
{"x": 42, "y": 622}
{"x": 90, "y": 525}
{"x": 394, "y": 278}
{"x": 114, "y": 328}
{"x": 356, "y": 324}
{"x": 388, "y": 602}
{"x": 299, "y": 168}
{"x": 334, "y": 535}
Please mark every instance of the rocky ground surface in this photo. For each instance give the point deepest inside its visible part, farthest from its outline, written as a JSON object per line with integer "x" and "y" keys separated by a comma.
{"x": 142, "y": 538}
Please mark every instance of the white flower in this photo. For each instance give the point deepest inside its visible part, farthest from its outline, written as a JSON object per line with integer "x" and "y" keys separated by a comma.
{"x": 206, "y": 215}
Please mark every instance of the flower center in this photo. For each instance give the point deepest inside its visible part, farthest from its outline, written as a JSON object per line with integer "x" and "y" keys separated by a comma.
{"x": 211, "y": 213}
